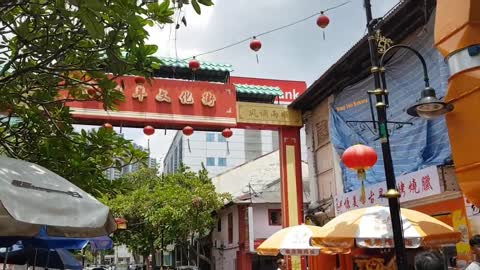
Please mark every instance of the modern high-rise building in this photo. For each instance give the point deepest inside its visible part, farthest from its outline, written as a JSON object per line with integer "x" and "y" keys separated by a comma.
{"x": 113, "y": 173}
{"x": 212, "y": 150}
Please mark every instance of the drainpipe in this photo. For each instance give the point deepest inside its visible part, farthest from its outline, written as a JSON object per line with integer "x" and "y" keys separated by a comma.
{"x": 457, "y": 37}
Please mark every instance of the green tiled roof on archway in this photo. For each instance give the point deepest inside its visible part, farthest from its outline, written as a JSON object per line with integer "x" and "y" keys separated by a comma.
{"x": 258, "y": 90}
{"x": 182, "y": 63}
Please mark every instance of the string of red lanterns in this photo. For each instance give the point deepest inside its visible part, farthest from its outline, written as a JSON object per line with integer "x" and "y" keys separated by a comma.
{"x": 255, "y": 44}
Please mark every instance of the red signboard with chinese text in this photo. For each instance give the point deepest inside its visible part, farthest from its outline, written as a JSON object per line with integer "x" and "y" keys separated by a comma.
{"x": 291, "y": 89}
{"x": 166, "y": 103}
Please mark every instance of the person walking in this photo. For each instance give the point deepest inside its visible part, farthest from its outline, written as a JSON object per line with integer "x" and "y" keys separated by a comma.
{"x": 429, "y": 260}
{"x": 475, "y": 245}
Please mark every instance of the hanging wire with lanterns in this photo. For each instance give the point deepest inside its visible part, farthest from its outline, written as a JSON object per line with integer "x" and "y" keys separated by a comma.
{"x": 322, "y": 22}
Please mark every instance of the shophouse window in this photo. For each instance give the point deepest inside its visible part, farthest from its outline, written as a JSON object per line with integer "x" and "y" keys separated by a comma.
{"x": 220, "y": 138}
{"x": 230, "y": 228}
{"x": 274, "y": 217}
{"x": 222, "y": 162}
{"x": 219, "y": 225}
{"x": 210, "y": 161}
{"x": 210, "y": 137}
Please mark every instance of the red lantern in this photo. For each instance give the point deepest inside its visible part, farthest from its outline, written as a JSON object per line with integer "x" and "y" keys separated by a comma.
{"x": 255, "y": 44}
{"x": 194, "y": 64}
{"x": 107, "y": 126}
{"x": 227, "y": 133}
{"x": 187, "y": 131}
{"x": 323, "y": 20}
{"x": 121, "y": 223}
{"x": 139, "y": 80}
{"x": 360, "y": 158}
{"x": 148, "y": 130}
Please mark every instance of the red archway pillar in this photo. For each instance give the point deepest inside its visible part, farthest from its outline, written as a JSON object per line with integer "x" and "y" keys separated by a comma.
{"x": 291, "y": 184}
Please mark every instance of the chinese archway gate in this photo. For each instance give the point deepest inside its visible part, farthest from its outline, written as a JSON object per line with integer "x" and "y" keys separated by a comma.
{"x": 204, "y": 105}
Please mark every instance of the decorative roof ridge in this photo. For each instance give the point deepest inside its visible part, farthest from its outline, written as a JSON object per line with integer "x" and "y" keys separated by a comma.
{"x": 257, "y": 86}
{"x": 205, "y": 65}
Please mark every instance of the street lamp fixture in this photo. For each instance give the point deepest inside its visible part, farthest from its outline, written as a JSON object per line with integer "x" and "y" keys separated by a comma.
{"x": 429, "y": 106}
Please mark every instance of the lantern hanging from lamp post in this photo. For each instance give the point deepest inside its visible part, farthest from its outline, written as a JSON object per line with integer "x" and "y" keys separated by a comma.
{"x": 255, "y": 45}
{"x": 360, "y": 158}
{"x": 187, "y": 131}
{"x": 227, "y": 133}
{"x": 322, "y": 22}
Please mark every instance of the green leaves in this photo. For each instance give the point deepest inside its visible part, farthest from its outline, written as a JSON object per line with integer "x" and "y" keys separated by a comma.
{"x": 97, "y": 5}
{"x": 196, "y": 7}
{"x": 91, "y": 22}
{"x": 172, "y": 207}
{"x": 206, "y": 2}
{"x": 49, "y": 46}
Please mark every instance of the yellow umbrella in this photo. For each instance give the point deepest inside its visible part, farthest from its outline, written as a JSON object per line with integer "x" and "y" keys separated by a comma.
{"x": 371, "y": 228}
{"x": 293, "y": 240}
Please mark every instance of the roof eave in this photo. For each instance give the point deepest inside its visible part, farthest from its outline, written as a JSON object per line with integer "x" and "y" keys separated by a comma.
{"x": 400, "y": 22}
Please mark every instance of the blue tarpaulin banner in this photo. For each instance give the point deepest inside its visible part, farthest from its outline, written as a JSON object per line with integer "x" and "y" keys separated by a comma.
{"x": 413, "y": 147}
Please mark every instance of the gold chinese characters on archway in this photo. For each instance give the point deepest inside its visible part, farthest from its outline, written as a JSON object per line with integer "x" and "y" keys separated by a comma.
{"x": 167, "y": 101}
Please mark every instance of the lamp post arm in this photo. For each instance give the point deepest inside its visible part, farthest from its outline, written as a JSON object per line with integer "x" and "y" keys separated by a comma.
{"x": 424, "y": 64}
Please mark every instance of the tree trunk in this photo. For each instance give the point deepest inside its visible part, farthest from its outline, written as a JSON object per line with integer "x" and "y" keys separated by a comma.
{"x": 154, "y": 257}
{"x": 201, "y": 256}
{"x": 161, "y": 253}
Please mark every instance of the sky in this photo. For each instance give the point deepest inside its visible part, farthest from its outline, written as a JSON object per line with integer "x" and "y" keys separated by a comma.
{"x": 295, "y": 53}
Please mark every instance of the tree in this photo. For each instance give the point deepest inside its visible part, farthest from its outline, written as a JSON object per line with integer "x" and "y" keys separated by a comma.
{"x": 165, "y": 209}
{"x": 77, "y": 47}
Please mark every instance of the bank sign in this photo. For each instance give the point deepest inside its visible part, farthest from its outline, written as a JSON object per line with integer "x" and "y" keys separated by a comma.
{"x": 291, "y": 89}
{"x": 412, "y": 186}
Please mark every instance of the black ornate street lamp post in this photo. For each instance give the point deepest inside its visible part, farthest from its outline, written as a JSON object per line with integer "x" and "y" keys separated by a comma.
{"x": 428, "y": 107}
{"x": 381, "y": 104}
